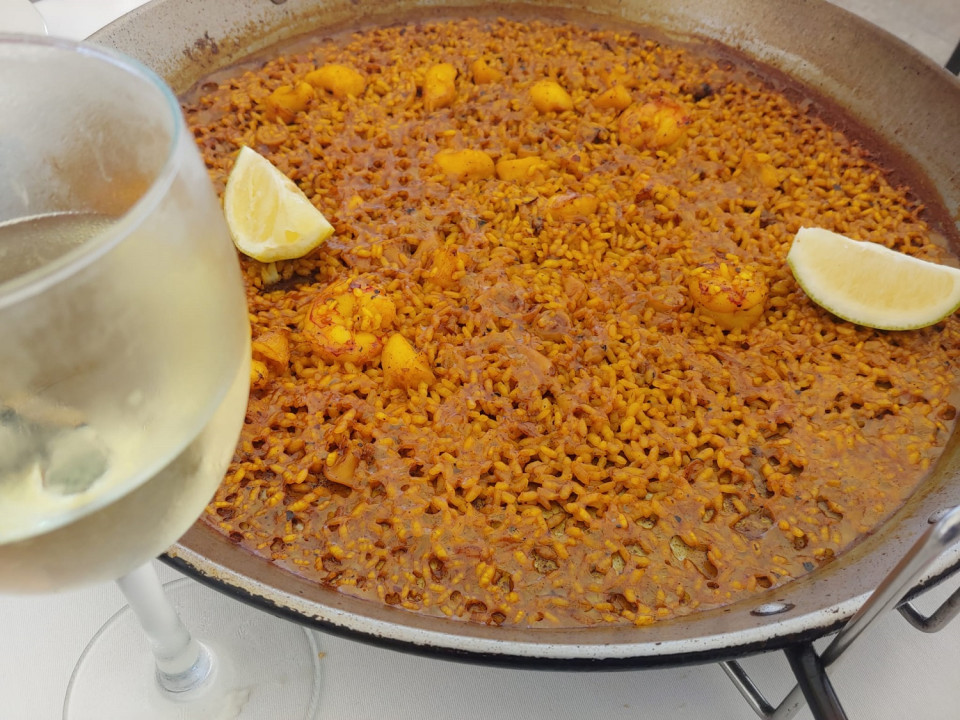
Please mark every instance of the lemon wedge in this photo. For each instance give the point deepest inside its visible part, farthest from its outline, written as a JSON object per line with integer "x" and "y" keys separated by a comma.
{"x": 871, "y": 285}
{"x": 269, "y": 217}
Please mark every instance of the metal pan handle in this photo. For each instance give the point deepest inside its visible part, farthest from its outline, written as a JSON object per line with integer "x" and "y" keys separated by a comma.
{"x": 813, "y": 684}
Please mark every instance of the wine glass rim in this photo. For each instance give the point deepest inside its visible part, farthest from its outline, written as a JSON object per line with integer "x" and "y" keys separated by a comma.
{"x": 36, "y": 280}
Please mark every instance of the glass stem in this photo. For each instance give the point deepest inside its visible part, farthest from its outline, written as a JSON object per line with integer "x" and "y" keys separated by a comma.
{"x": 183, "y": 664}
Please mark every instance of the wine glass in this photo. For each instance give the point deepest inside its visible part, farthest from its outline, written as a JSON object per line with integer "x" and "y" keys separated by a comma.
{"x": 124, "y": 373}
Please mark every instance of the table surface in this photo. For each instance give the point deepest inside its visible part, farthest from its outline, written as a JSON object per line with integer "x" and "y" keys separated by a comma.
{"x": 892, "y": 672}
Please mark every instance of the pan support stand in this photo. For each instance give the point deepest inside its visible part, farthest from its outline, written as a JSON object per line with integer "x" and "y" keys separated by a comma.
{"x": 953, "y": 64}
{"x": 895, "y": 591}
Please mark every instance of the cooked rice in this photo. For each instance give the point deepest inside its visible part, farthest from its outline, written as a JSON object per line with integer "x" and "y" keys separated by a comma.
{"x": 592, "y": 447}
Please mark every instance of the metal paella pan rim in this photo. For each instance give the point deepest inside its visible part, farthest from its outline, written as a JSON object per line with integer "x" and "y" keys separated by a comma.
{"x": 900, "y": 95}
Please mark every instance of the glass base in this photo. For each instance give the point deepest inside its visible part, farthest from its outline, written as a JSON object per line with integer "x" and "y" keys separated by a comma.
{"x": 264, "y": 667}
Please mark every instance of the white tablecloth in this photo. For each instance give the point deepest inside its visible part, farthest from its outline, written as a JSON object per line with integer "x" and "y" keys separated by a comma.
{"x": 891, "y": 673}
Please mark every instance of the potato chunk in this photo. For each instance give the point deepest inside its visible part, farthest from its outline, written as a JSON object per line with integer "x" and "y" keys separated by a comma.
{"x": 439, "y": 86}
{"x": 520, "y": 168}
{"x": 618, "y": 97}
{"x": 446, "y": 268}
{"x": 272, "y": 347}
{"x": 287, "y": 100}
{"x": 258, "y": 373}
{"x": 342, "y": 470}
{"x": 339, "y": 80}
{"x": 271, "y": 355}
{"x": 549, "y": 96}
{"x": 483, "y": 73}
{"x": 403, "y": 366}
{"x": 463, "y": 165}
{"x": 759, "y": 167}
{"x": 572, "y": 207}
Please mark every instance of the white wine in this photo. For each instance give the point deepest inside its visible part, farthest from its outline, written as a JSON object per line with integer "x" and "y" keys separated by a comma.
{"x": 118, "y": 536}
{"x": 47, "y": 451}
{"x": 122, "y": 392}
{"x": 30, "y": 243}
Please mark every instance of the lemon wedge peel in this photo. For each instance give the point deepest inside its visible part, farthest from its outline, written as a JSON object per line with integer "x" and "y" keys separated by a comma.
{"x": 871, "y": 285}
{"x": 269, "y": 217}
